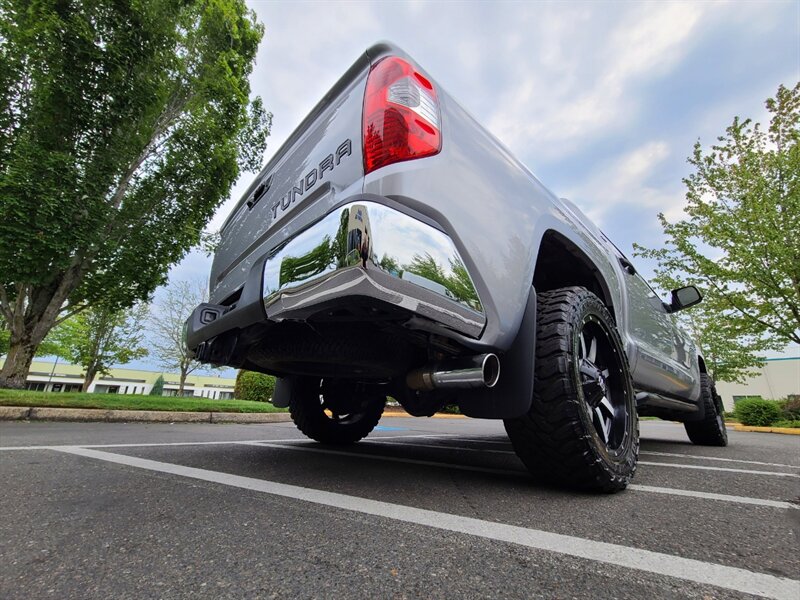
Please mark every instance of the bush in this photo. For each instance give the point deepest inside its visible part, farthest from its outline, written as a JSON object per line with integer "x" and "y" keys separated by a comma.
{"x": 791, "y": 424}
{"x": 790, "y": 409}
{"x": 754, "y": 411}
{"x": 256, "y": 387}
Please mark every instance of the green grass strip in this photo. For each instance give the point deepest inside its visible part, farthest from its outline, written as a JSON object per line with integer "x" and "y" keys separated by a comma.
{"x": 130, "y": 402}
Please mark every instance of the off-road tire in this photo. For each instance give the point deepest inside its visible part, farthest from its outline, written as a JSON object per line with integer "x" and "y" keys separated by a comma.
{"x": 309, "y": 414}
{"x": 557, "y": 439}
{"x": 711, "y": 430}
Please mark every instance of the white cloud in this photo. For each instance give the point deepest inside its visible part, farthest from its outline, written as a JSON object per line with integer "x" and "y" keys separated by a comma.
{"x": 577, "y": 81}
{"x": 306, "y": 48}
{"x": 550, "y": 78}
{"x": 624, "y": 181}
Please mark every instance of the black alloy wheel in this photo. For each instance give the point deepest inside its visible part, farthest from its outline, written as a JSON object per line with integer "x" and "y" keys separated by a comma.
{"x": 335, "y": 411}
{"x": 582, "y": 429}
{"x": 603, "y": 388}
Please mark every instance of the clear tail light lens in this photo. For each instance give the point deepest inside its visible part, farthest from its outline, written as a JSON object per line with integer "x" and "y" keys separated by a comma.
{"x": 401, "y": 115}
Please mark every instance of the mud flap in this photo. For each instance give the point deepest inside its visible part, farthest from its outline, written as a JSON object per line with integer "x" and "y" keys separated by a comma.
{"x": 282, "y": 392}
{"x": 512, "y": 395}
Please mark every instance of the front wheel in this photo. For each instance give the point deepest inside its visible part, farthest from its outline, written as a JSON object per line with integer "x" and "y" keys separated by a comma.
{"x": 582, "y": 429}
{"x": 335, "y": 411}
{"x": 711, "y": 431}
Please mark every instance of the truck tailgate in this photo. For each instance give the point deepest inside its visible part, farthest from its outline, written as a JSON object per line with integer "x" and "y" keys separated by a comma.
{"x": 318, "y": 162}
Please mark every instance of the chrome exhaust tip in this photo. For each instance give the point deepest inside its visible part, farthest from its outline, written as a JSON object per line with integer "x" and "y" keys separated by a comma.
{"x": 478, "y": 371}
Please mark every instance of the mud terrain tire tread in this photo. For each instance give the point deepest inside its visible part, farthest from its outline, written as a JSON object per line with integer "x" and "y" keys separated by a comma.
{"x": 711, "y": 431}
{"x": 310, "y": 418}
{"x": 553, "y": 439}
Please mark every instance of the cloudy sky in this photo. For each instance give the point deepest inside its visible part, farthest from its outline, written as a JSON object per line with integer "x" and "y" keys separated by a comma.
{"x": 601, "y": 100}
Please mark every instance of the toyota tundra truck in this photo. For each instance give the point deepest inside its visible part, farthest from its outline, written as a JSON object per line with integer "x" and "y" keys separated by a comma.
{"x": 393, "y": 247}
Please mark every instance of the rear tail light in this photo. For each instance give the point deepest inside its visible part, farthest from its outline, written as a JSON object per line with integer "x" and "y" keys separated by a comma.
{"x": 401, "y": 115}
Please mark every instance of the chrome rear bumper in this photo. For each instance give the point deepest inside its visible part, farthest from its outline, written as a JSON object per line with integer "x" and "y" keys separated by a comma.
{"x": 370, "y": 250}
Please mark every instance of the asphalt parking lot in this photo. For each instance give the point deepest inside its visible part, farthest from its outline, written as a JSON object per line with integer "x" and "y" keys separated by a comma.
{"x": 424, "y": 508}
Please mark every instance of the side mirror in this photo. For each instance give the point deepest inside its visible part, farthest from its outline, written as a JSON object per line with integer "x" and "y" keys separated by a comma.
{"x": 684, "y": 298}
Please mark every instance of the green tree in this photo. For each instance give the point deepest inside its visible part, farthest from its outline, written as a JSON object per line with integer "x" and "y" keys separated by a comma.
{"x": 48, "y": 347}
{"x": 458, "y": 282}
{"x": 315, "y": 261}
{"x": 98, "y": 338}
{"x": 390, "y": 264}
{"x": 739, "y": 241}
{"x": 427, "y": 267}
{"x": 123, "y": 125}
{"x": 166, "y": 327}
{"x": 730, "y": 354}
{"x": 158, "y": 387}
{"x": 461, "y": 284}
{"x": 339, "y": 243}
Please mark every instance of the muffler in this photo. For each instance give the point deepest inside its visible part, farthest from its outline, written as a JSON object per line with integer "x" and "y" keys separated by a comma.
{"x": 478, "y": 371}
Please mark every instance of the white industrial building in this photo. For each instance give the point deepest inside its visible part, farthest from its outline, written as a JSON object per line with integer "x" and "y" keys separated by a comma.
{"x": 59, "y": 376}
{"x": 778, "y": 378}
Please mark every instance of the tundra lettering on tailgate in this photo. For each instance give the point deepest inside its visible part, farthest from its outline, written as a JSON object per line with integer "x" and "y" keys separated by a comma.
{"x": 281, "y": 206}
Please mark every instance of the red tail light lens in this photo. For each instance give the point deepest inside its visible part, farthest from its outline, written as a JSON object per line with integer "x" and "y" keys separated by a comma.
{"x": 401, "y": 115}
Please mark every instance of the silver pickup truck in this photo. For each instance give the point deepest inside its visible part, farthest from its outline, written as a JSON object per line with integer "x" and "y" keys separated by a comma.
{"x": 394, "y": 247}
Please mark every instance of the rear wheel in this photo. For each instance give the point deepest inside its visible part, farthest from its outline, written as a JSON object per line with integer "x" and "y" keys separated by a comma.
{"x": 582, "y": 428}
{"x": 335, "y": 411}
{"x": 711, "y": 431}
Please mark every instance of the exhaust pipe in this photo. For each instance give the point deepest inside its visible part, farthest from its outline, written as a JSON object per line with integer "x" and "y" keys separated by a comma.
{"x": 478, "y": 371}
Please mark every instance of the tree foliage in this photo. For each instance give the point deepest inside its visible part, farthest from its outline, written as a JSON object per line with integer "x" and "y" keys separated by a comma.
{"x": 166, "y": 327}
{"x": 458, "y": 282}
{"x": 122, "y": 127}
{"x": 98, "y": 338}
{"x": 729, "y": 353}
{"x": 739, "y": 241}
{"x": 48, "y": 347}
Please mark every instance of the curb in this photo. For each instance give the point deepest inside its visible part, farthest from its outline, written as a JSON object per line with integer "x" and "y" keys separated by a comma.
{"x": 223, "y": 417}
{"x": 14, "y": 413}
{"x": 17, "y": 413}
{"x": 22, "y": 413}
{"x": 785, "y": 430}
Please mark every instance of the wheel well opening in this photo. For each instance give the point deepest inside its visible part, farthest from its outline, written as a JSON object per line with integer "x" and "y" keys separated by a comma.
{"x": 561, "y": 263}
{"x": 702, "y": 365}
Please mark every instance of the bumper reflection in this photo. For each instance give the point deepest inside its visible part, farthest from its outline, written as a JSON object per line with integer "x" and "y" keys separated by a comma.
{"x": 373, "y": 236}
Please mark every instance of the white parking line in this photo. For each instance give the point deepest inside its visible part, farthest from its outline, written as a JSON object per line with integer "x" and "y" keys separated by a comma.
{"x": 436, "y": 446}
{"x": 515, "y": 473}
{"x": 214, "y": 443}
{"x": 479, "y": 440}
{"x": 726, "y": 469}
{"x": 642, "y": 453}
{"x": 710, "y": 496}
{"x": 145, "y": 444}
{"x": 717, "y": 458}
{"x": 411, "y": 461}
{"x": 491, "y": 451}
{"x": 731, "y": 578}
